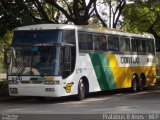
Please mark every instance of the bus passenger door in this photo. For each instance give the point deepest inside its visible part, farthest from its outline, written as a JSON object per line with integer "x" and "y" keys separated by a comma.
{"x": 68, "y": 57}
{"x": 66, "y": 61}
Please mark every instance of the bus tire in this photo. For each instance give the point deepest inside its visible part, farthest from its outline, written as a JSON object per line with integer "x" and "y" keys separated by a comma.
{"x": 81, "y": 90}
{"x": 141, "y": 82}
{"x": 134, "y": 87}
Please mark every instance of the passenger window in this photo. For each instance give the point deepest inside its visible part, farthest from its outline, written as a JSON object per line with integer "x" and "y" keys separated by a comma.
{"x": 82, "y": 41}
{"x": 85, "y": 41}
{"x": 113, "y": 43}
{"x": 143, "y": 44}
{"x": 104, "y": 42}
{"x": 97, "y": 42}
{"x": 139, "y": 48}
{"x": 89, "y": 41}
{"x": 134, "y": 45}
{"x": 150, "y": 46}
{"x": 124, "y": 44}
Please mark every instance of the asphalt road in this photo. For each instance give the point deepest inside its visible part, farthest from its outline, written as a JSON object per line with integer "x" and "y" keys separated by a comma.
{"x": 119, "y": 101}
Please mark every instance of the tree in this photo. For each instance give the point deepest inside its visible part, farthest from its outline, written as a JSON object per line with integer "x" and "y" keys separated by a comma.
{"x": 142, "y": 17}
{"x": 76, "y": 11}
{"x": 115, "y": 9}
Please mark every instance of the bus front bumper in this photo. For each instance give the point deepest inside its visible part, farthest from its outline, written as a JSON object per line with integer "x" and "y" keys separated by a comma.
{"x": 36, "y": 90}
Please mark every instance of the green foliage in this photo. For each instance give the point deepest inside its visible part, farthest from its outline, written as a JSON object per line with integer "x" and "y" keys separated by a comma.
{"x": 3, "y": 87}
{"x": 158, "y": 65}
{"x": 142, "y": 17}
{"x": 4, "y": 44}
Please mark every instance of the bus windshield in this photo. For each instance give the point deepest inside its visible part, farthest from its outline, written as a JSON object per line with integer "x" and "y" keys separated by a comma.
{"x": 32, "y": 37}
{"x": 33, "y": 56}
{"x": 46, "y": 60}
{"x": 37, "y": 60}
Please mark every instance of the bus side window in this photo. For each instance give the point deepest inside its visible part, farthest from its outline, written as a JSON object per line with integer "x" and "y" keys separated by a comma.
{"x": 82, "y": 41}
{"x": 89, "y": 41}
{"x": 113, "y": 43}
{"x": 134, "y": 45}
{"x": 97, "y": 42}
{"x": 143, "y": 45}
{"x": 150, "y": 46}
{"x": 139, "y": 45}
{"x": 124, "y": 44}
{"x": 104, "y": 42}
{"x": 85, "y": 41}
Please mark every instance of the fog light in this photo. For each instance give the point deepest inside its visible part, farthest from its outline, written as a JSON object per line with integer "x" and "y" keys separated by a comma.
{"x": 13, "y": 90}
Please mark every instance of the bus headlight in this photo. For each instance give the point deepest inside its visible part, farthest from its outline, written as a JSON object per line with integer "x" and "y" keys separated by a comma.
{"x": 50, "y": 82}
{"x": 13, "y": 82}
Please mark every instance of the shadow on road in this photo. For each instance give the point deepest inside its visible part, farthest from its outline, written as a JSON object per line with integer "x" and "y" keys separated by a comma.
{"x": 152, "y": 92}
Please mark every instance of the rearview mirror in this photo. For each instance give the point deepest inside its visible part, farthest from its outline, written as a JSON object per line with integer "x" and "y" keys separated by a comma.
{"x": 8, "y": 53}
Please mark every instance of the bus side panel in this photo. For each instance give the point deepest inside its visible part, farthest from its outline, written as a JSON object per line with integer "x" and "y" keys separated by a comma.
{"x": 121, "y": 74}
{"x": 84, "y": 68}
{"x": 106, "y": 71}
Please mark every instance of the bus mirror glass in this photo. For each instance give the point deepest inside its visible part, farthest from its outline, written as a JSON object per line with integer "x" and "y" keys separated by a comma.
{"x": 7, "y": 57}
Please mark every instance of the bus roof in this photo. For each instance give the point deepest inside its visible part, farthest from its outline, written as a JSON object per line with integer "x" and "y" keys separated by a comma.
{"x": 86, "y": 28}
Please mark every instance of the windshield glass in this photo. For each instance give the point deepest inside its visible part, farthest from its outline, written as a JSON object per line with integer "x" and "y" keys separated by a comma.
{"x": 33, "y": 37}
{"x": 21, "y": 63}
{"x": 37, "y": 60}
{"x": 37, "y": 52}
{"x": 46, "y": 60}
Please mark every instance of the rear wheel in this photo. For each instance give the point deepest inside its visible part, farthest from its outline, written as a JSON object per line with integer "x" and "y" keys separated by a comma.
{"x": 81, "y": 90}
{"x": 134, "y": 87}
{"x": 141, "y": 83}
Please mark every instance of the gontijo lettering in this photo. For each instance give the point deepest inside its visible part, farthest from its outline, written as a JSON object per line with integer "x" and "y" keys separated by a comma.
{"x": 130, "y": 60}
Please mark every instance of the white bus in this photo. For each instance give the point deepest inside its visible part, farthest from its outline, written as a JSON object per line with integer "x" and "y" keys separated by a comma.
{"x": 54, "y": 60}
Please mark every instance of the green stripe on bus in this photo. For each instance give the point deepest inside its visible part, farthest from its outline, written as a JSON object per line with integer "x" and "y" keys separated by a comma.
{"x": 103, "y": 71}
{"x": 97, "y": 64}
{"x": 107, "y": 70}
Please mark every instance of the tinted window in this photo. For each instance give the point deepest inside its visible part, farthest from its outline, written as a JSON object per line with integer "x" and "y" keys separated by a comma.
{"x": 139, "y": 48}
{"x": 82, "y": 41}
{"x": 85, "y": 41}
{"x": 124, "y": 44}
{"x": 143, "y": 45}
{"x": 89, "y": 41}
{"x": 103, "y": 42}
{"x": 69, "y": 36}
{"x": 97, "y": 42}
{"x": 134, "y": 45}
{"x": 113, "y": 43}
{"x": 150, "y": 46}
{"x": 37, "y": 36}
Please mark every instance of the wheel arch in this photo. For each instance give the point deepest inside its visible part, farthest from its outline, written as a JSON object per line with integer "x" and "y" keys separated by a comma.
{"x": 86, "y": 82}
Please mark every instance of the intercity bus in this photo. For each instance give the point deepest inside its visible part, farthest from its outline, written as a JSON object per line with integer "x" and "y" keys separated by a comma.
{"x": 54, "y": 60}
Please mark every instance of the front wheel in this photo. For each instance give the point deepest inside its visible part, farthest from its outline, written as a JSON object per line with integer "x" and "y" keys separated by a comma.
{"x": 142, "y": 82}
{"x": 81, "y": 90}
